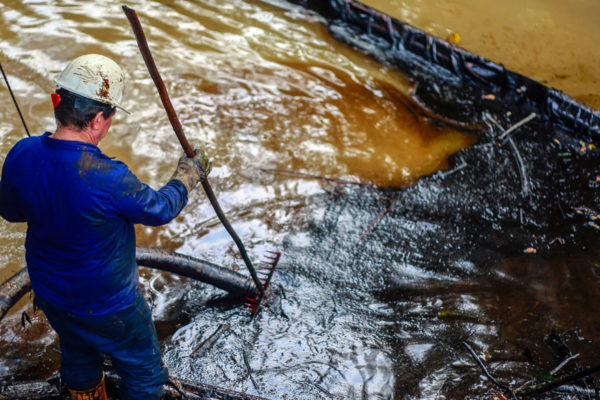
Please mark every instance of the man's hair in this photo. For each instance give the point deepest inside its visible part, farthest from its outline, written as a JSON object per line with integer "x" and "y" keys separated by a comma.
{"x": 78, "y": 111}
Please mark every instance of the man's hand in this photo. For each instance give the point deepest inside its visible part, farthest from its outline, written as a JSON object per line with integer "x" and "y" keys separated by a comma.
{"x": 190, "y": 171}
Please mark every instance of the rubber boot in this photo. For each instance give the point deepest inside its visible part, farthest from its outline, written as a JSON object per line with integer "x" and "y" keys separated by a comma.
{"x": 96, "y": 393}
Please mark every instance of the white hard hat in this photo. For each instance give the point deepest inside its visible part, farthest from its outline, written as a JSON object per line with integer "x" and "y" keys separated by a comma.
{"x": 95, "y": 77}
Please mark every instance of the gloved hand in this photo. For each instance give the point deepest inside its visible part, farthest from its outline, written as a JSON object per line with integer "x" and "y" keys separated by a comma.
{"x": 190, "y": 171}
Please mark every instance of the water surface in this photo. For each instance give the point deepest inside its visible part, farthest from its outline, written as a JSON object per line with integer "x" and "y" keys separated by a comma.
{"x": 261, "y": 87}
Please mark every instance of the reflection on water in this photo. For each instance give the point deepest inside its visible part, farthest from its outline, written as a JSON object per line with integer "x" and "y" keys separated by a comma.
{"x": 257, "y": 87}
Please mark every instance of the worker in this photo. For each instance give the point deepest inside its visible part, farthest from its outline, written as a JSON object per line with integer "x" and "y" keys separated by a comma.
{"x": 80, "y": 207}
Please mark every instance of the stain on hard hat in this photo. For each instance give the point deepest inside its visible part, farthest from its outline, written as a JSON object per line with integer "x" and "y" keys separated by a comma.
{"x": 104, "y": 90}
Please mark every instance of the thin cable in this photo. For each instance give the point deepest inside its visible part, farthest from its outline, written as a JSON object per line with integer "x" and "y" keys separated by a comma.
{"x": 14, "y": 100}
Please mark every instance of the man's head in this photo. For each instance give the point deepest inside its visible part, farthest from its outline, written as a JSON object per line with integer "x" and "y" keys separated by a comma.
{"x": 89, "y": 88}
{"x": 77, "y": 112}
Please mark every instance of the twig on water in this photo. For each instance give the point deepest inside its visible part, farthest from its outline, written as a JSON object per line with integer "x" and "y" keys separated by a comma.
{"x": 177, "y": 387}
{"x": 485, "y": 371}
{"x": 210, "y": 341}
{"x": 377, "y": 196}
{"x": 562, "y": 364}
{"x": 320, "y": 388}
{"x": 381, "y": 215}
{"x": 517, "y": 125}
{"x": 455, "y": 169}
{"x": 547, "y": 386}
{"x": 521, "y": 219}
{"x": 247, "y": 363}
{"x": 493, "y": 121}
{"x": 521, "y": 164}
{"x": 310, "y": 176}
{"x": 576, "y": 390}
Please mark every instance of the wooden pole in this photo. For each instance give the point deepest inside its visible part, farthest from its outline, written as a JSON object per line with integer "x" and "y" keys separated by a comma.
{"x": 187, "y": 148}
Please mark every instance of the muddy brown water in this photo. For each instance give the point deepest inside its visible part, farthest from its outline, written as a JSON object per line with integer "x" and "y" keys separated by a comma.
{"x": 260, "y": 87}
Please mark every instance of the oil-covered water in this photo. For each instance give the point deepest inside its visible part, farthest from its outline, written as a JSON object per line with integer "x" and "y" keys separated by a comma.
{"x": 259, "y": 87}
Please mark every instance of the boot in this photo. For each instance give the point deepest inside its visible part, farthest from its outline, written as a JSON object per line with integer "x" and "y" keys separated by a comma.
{"x": 95, "y": 393}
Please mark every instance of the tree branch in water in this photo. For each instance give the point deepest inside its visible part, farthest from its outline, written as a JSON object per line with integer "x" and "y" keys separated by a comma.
{"x": 489, "y": 376}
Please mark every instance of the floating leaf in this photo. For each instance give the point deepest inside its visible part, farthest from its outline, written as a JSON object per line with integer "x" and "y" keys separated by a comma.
{"x": 594, "y": 225}
{"x": 584, "y": 211}
{"x": 447, "y": 313}
{"x": 454, "y": 38}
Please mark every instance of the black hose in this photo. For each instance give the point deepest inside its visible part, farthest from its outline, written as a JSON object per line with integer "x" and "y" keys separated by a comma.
{"x": 236, "y": 284}
{"x": 13, "y": 289}
{"x": 200, "y": 270}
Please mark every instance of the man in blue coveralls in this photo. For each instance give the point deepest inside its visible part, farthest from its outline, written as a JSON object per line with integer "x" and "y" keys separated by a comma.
{"x": 80, "y": 207}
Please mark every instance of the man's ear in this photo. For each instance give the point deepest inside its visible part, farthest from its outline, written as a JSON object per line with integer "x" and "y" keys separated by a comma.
{"x": 97, "y": 120}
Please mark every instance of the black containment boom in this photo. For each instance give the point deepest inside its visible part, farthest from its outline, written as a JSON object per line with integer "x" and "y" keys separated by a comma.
{"x": 449, "y": 75}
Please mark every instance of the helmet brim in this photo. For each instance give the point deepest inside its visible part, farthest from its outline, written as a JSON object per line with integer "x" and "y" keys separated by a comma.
{"x": 91, "y": 98}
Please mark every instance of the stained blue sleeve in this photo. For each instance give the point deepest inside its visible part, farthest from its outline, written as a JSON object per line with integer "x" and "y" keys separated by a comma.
{"x": 9, "y": 203}
{"x": 9, "y": 206}
{"x": 140, "y": 204}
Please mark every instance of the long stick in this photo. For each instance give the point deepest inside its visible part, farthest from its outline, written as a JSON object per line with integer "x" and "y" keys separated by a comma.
{"x": 485, "y": 371}
{"x": 521, "y": 165}
{"x": 311, "y": 176}
{"x": 187, "y": 148}
{"x": 14, "y": 100}
{"x": 547, "y": 386}
{"x": 517, "y": 125}
{"x": 210, "y": 342}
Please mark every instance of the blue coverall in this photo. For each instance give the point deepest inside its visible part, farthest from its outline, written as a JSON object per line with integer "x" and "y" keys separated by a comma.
{"x": 80, "y": 207}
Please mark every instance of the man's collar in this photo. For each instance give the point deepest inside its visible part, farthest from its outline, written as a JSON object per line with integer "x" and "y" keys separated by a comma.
{"x": 71, "y": 144}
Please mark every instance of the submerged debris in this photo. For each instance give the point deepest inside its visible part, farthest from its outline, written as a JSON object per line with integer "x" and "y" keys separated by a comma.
{"x": 175, "y": 389}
